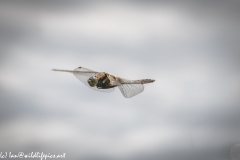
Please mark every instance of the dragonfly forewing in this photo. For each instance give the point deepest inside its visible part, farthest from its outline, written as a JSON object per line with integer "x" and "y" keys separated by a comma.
{"x": 83, "y": 74}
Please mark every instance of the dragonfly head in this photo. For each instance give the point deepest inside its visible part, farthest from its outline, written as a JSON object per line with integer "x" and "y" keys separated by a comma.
{"x": 92, "y": 81}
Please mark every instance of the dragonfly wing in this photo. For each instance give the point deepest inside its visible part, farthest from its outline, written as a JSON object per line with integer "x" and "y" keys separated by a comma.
{"x": 130, "y": 90}
{"x": 83, "y": 74}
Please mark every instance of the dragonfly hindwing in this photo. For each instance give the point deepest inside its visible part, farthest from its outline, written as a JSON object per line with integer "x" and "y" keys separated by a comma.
{"x": 130, "y": 90}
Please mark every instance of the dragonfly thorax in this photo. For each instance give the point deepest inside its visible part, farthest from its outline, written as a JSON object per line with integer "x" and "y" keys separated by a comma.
{"x": 101, "y": 80}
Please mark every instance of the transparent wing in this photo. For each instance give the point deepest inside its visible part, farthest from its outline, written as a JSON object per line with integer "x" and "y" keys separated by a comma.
{"x": 130, "y": 90}
{"x": 83, "y": 74}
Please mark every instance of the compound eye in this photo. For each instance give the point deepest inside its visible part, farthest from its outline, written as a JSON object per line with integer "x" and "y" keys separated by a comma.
{"x": 92, "y": 81}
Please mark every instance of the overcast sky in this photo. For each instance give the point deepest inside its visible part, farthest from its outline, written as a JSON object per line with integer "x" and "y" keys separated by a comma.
{"x": 191, "y": 49}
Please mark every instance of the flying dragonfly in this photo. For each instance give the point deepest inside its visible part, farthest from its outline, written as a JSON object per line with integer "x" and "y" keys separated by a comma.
{"x": 105, "y": 82}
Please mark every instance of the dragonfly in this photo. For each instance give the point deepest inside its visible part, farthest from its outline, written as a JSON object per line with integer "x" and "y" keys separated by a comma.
{"x": 105, "y": 82}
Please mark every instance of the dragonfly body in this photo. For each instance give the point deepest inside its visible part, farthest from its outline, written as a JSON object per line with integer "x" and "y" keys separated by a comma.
{"x": 105, "y": 82}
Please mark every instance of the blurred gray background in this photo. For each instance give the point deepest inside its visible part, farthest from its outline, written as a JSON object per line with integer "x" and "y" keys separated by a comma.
{"x": 191, "y": 49}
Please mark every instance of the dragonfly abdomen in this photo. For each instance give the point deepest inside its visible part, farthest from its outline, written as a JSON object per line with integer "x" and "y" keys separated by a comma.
{"x": 144, "y": 81}
{"x": 141, "y": 81}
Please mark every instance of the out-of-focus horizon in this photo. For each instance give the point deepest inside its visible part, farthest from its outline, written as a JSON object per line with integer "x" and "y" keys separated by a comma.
{"x": 191, "y": 49}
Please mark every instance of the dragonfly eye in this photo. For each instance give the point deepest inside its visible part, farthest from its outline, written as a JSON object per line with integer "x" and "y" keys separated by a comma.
{"x": 92, "y": 81}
